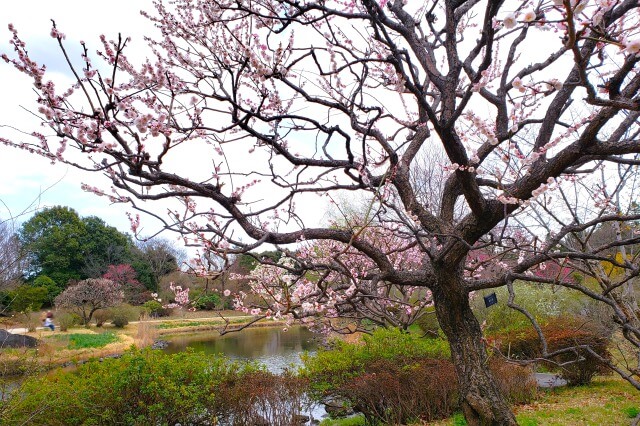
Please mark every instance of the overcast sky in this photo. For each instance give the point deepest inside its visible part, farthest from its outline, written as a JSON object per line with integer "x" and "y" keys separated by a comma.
{"x": 27, "y": 180}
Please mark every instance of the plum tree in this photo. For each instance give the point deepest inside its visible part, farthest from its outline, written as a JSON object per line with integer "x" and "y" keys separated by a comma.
{"x": 87, "y": 296}
{"x": 251, "y": 114}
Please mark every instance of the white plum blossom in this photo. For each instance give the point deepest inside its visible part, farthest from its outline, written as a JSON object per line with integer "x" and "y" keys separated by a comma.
{"x": 510, "y": 21}
{"x": 556, "y": 84}
{"x": 632, "y": 46}
{"x": 529, "y": 16}
{"x": 517, "y": 84}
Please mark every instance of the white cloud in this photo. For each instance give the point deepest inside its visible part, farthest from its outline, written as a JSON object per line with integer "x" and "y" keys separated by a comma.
{"x": 28, "y": 181}
{"x": 24, "y": 176}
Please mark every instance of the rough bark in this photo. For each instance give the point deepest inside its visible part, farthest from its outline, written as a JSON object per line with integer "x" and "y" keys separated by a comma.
{"x": 482, "y": 401}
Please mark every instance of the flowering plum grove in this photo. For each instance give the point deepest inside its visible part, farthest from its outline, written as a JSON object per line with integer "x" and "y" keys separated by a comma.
{"x": 251, "y": 114}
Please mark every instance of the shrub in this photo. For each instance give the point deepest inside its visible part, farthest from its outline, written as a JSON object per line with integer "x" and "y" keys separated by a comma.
{"x": 122, "y": 314}
{"x": 31, "y": 320}
{"x": 429, "y": 325}
{"x": 394, "y": 377}
{"x": 154, "y": 308}
{"x": 543, "y": 302}
{"x": 329, "y": 368}
{"x": 516, "y": 382}
{"x": 66, "y": 320}
{"x": 392, "y": 392}
{"x": 101, "y": 316}
{"x": 141, "y": 388}
{"x": 27, "y": 298}
{"x": 397, "y": 391}
{"x": 119, "y": 320}
{"x": 261, "y": 397}
{"x": 125, "y": 313}
{"x": 577, "y": 366}
{"x": 208, "y": 302}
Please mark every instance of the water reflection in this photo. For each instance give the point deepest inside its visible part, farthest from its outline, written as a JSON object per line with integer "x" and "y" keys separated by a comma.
{"x": 271, "y": 346}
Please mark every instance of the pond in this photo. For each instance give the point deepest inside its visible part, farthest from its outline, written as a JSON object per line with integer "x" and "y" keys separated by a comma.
{"x": 272, "y": 346}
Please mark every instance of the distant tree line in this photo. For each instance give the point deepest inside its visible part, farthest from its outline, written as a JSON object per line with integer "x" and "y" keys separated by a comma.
{"x": 57, "y": 248}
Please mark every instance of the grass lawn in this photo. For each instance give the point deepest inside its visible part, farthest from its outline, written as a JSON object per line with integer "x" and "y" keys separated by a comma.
{"x": 86, "y": 340}
{"x": 606, "y": 401}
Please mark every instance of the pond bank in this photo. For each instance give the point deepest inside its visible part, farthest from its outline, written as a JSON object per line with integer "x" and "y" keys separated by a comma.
{"x": 52, "y": 352}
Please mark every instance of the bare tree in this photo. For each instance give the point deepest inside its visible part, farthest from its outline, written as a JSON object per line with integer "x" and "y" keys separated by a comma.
{"x": 12, "y": 258}
{"x": 161, "y": 256}
{"x": 335, "y": 97}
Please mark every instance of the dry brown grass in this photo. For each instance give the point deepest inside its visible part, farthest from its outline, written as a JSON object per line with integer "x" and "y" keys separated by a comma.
{"x": 146, "y": 333}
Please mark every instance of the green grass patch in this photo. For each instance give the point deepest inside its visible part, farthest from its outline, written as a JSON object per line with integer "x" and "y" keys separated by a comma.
{"x": 631, "y": 412}
{"x": 606, "y": 401}
{"x": 458, "y": 420}
{"x": 87, "y": 340}
{"x": 347, "y": 421}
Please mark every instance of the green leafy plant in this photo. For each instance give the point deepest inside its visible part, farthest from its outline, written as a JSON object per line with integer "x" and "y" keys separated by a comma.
{"x": 632, "y": 412}
{"x": 121, "y": 315}
{"x": 120, "y": 320}
{"x": 154, "y": 308}
{"x": 347, "y": 421}
{"x": 66, "y": 320}
{"x": 27, "y": 298}
{"x": 142, "y": 387}
{"x": 209, "y": 302}
{"x": 333, "y": 366}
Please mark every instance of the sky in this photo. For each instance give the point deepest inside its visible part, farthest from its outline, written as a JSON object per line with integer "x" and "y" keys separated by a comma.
{"x": 28, "y": 182}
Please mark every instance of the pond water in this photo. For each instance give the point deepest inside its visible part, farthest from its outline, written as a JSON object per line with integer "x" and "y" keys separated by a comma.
{"x": 272, "y": 346}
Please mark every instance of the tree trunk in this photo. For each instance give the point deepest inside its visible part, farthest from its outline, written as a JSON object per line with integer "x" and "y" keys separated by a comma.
{"x": 482, "y": 401}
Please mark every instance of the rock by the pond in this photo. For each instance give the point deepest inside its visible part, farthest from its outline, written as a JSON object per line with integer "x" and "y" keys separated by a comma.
{"x": 549, "y": 381}
{"x": 337, "y": 407}
{"x": 9, "y": 340}
{"x": 300, "y": 419}
{"x": 160, "y": 344}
